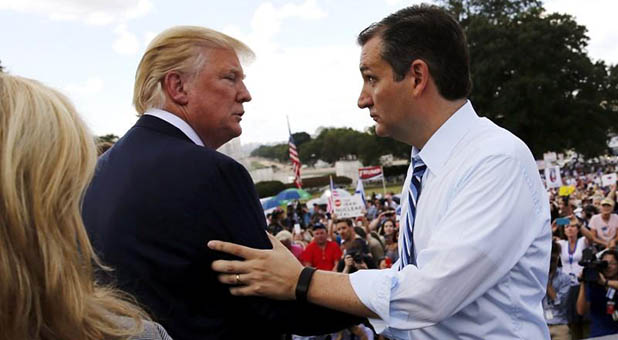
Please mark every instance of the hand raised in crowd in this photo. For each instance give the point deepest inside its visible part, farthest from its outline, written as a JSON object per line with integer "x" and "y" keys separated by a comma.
{"x": 264, "y": 272}
{"x": 348, "y": 261}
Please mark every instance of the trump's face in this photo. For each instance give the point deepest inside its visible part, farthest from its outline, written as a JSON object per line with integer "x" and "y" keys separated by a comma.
{"x": 215, "y": 98}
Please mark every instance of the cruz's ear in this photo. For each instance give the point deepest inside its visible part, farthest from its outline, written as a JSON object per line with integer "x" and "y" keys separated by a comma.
{"x": 419, "y": 76}
{"x": 175, "y": 85}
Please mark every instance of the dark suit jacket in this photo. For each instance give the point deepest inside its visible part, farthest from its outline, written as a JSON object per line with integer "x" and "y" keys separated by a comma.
{"x": 155, "y": 201}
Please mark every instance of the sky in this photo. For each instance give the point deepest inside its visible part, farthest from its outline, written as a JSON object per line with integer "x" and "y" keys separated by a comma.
{"x": 306, "y": 64}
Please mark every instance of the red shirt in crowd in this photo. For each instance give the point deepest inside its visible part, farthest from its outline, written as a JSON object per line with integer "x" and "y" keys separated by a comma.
{"x": 319, "y": 258}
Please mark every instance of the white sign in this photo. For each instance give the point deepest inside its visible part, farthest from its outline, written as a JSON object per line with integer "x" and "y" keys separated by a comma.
{"x": 552, "y": 177}
{"x": 347, "y": 207}
{"x": 608, "y": 179}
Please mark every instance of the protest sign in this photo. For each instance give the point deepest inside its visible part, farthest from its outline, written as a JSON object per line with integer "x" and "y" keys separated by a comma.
{"x": 347, "y": 207}
{"x": 370, "y": 172}
{"x": 566, "y": 190}
{"x": 552, "y": 177}
{"x": 608, "y": 179}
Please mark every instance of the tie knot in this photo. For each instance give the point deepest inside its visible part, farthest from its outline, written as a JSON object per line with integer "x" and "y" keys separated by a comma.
{"x": 419, "y": 166}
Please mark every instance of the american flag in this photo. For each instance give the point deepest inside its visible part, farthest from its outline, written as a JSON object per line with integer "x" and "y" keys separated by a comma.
{"x": 295, "y": 162}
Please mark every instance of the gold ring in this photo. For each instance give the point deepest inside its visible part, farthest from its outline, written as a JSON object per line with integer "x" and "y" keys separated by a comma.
{"x": 237, "y": 279}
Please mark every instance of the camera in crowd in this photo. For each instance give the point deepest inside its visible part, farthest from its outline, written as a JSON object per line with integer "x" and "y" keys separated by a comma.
{"x": 592, "y": 265}
{"x": 357, "y": 255}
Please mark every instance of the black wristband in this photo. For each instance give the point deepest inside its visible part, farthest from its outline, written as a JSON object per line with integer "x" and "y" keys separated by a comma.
{"x": 302, "y": 287}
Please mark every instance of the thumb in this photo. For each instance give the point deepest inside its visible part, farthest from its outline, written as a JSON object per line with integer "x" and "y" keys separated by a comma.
{"x": 275, "y": 243}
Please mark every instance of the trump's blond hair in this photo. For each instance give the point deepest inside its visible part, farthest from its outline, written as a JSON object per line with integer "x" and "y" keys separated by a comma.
{"x": 47, "y": 157}
{"x": 181, "y": 49}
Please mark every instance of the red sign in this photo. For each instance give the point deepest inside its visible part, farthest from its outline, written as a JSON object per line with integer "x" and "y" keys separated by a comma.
{"x": 370, "y": 172}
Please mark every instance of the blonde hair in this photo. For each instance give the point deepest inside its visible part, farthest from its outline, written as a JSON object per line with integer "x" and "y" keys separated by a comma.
{"x": 179, "y": 49}
{"x": 47, "y": 157}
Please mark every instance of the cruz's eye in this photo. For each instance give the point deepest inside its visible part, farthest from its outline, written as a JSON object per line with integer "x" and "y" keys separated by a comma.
{"x": 371, "y": 79}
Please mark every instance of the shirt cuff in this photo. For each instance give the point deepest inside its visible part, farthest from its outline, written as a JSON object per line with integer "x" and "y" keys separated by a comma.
{"x": 373, "y": 288}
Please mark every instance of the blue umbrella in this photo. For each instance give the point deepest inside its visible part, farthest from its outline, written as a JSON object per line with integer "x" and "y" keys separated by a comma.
{"x": 285, "y": 196}
{"x": 271, "y": 203}
{"x": 292, "y": 194}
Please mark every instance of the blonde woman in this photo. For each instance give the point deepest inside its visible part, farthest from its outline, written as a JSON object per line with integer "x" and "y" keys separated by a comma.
{"x": 47, "y": 291}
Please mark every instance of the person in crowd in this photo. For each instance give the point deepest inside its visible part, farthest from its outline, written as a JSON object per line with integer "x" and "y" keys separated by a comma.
{"x": 376, "y": 249}
{"x": 276, "y": 222}
{"x": 285, "y": 237}
{"x": 372, "y": 210}
{"x": 555, "y": 300}
{"x": 47, "y": 286}
{"x": 163, "y": 191}
{"x": 572, "y": 249}
{"x": 476, "y": 241}
{"x": 605, "y": 225}
{"x": 385, "y": 262}
{"x": 599, "y": 298}
{"x": 349, "y": 237}
{"x": 390, "y": 202}
{"x": 389, "y": 233}
{"x": 321, "y": 253}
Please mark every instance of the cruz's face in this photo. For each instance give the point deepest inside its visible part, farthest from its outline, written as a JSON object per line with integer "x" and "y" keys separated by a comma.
{"x": 386, "y": 99}
{"x": 215, "y": 98}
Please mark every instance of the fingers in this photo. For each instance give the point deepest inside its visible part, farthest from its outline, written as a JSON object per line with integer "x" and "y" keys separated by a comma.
{"x": 234, "y": 249}
{"x": 230, "y": 267}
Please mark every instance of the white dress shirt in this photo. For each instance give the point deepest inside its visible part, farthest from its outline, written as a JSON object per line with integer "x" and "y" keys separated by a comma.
{"x": 177, "y": 122}
{"x": 482, "y": 241}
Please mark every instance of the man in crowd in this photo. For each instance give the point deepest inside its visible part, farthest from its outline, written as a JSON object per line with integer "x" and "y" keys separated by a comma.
{"x": 162, "y": 191}
{"x": 475, "y": 235}
{"x": 605, "y": 225}
{"x": 349, "y": 238}
{"x": 321, "y": 253}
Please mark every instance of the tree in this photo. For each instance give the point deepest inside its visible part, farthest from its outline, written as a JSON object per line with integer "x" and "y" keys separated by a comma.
{"x": 301, "y": 138}
{"x": 531, "y": 75}
{"x": 109, "y": 138}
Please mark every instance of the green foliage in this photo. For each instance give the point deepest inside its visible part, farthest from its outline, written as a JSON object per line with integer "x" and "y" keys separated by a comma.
{"x": 301, "y": 138}
{"x": 531, "y": 75}
{"x": 333, "y": 144}
{"x": 269, "y": 188}
{"x": 278, "y": 152}
{"x": 395, "y": 170}
{"x": 109, "y": 138}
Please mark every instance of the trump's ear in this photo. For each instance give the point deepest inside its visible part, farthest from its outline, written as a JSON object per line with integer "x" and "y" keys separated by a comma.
{"x": 174, "y": 84}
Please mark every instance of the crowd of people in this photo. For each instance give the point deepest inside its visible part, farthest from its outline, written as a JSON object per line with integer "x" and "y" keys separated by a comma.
{"x": 585, "y": 221}
{"x": 158, "y": 229}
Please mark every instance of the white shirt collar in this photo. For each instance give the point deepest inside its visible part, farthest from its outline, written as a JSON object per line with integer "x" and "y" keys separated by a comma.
{"x": 440, "y": 145}
{"x": 177, "y": 122}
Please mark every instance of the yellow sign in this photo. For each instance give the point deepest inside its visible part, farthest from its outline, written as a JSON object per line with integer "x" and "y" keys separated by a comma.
{"x": 566, "y": 190}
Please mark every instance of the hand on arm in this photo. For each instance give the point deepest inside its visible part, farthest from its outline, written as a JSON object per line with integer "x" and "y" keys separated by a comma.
{"x": 274, "y": 273}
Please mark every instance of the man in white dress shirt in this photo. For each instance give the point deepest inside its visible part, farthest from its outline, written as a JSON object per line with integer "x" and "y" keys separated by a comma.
{"x": 474, "y": 245}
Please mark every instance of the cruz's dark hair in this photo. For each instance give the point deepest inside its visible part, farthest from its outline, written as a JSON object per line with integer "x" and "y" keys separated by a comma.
{"x": 428, "y": 33}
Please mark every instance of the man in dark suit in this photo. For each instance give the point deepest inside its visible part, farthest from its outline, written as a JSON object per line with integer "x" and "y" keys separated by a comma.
{"x": 162, "y": 192}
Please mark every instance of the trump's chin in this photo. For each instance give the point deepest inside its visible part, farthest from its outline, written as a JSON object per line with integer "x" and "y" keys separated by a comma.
{"x": 381, "y": 130}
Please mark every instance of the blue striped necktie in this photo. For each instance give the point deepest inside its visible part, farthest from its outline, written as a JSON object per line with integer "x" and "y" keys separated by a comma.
{"x": 406, "y": 253}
